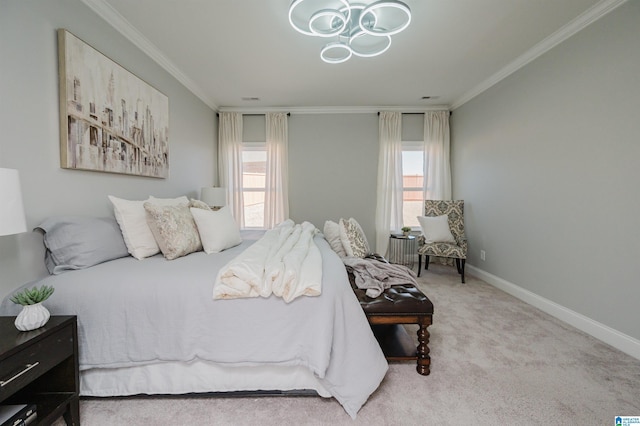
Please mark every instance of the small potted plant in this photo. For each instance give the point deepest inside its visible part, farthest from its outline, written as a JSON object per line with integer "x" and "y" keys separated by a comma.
{"x": 405, "y": 231}
{"x": 34, "y": 314}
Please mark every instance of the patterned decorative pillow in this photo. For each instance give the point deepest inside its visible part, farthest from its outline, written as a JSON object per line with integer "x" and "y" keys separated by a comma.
{"x": 174, "y": 229}
{"x": 132, "y": 219}
{"x": 197, "y": 204}
{"x": 353, "y": 238}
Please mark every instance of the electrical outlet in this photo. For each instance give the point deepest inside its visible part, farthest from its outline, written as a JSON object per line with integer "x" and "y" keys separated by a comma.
{"x": 482, "y": 255}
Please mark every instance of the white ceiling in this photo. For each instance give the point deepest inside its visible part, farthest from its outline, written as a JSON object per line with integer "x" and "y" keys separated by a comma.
{"x": 225, "y": 50}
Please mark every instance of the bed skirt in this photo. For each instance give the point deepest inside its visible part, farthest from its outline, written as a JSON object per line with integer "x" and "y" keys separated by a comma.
{"x": 175, "y": 378}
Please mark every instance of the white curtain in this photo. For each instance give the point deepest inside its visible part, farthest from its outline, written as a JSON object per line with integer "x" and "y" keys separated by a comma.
{"x": 437, "y": 169}
{"x": 389, "y": 201}
{"x": 276, "y": 206}
{"x": 230, "y": 161}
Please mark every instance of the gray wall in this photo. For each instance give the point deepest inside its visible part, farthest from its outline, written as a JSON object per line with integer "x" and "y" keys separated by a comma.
{"x": 29, "y": 126}
{"x": 333, "y": 164}
{"x": 547, "y": 162}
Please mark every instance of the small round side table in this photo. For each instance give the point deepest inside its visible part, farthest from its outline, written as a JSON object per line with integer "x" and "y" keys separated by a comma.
{"x": 402, "y": 249}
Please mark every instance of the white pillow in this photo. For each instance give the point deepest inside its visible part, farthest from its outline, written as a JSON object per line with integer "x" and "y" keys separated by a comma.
{"x": 332, "y": 235}
{"x": 436, "y": 229}
{"x": 132, "y": 219}
{"x": 218, "y": 230}
{"x": 169, "y": 201}
{"x": 353, "y": 238}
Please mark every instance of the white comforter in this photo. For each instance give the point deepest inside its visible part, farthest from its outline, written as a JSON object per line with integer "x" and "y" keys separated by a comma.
{"x": 285, "y": 262}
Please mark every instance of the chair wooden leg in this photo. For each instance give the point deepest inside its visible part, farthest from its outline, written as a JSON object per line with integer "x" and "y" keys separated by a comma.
{"x": 460, "y": 267}
{"x": 419, "y": 264}
{"x": 426, "y": 262}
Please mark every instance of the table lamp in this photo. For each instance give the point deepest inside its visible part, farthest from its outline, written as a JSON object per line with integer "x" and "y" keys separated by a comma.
{"x": 213, "y": 196}
{"x": 12, "y": 219}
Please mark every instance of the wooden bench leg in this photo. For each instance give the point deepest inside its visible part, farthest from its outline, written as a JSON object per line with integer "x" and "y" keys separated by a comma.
{"x": 424, "y": 360}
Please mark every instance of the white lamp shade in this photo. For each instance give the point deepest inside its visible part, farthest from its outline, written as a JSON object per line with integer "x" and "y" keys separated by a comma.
{"x": 214, "y": 197}
{"x": 12, "y": 219}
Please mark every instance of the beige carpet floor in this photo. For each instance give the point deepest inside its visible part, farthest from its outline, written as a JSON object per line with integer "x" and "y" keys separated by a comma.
{"x": 494, "y": 361}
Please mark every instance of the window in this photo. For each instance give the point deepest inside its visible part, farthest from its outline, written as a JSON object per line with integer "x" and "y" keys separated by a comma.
{"x": 254, "y": 169}
{"x": 412, "y": 183}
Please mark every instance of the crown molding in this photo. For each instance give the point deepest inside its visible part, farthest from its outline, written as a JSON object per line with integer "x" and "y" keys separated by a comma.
{"x": 120, "y": 24}
{"x": 583, "y": 20}
{"x": 124, "y": 27}
{"x": 335, "y": 109}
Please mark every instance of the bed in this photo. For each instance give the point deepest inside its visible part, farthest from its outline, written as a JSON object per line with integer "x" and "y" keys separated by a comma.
{"x": 152, "y": 327}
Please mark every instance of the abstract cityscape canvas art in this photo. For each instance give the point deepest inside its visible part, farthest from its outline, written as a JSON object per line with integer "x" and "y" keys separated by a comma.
{"x": 110, "y": 120}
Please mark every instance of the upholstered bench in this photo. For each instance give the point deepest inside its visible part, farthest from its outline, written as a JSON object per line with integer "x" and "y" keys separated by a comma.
{"x": 400, "y": 304}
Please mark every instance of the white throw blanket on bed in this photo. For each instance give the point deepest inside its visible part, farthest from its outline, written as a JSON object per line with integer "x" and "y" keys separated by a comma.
{"x": 285, "y": 262}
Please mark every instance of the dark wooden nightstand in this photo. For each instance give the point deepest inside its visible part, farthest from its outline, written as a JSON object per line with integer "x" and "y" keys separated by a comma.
{"x": 41, "y": 367}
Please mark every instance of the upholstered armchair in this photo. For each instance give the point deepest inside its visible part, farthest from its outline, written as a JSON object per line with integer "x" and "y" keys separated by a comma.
{"x": 451, "y": 246}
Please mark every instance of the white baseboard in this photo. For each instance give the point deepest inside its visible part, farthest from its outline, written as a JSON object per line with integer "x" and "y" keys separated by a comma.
{"x": 618, "y": 340}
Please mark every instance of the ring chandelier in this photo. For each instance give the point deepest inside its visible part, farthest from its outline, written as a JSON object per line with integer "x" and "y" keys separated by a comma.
{"x": 363, "y": 30}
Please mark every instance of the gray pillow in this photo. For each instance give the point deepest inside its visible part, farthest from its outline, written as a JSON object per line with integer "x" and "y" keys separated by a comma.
{"x": 77, "y": 242}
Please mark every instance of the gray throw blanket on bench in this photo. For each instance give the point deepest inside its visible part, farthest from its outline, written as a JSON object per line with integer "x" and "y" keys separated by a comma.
{"x": 376, "y": 276}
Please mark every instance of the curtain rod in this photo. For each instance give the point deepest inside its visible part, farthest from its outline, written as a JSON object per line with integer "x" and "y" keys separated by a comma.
{"x": 414, "y": 113}
{"x": 218, "y": 114}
